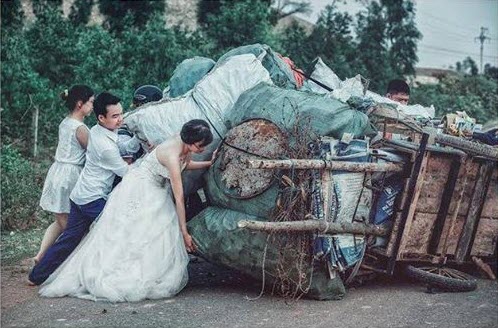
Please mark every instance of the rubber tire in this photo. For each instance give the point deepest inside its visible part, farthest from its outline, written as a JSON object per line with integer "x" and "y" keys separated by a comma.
{"x": 443, "y": 283}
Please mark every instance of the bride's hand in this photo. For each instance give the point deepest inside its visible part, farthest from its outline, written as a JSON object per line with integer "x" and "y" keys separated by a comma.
{"x": 213, "y": 158}
{"x": 189, "y": 243}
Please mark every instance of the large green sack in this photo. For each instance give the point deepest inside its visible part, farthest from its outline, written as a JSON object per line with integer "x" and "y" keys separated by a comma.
{"x": 187, "y": 74}
{"x": 284, "y": 107}
{"x": 280, "y": 73}
{"x": 220, "y": 241}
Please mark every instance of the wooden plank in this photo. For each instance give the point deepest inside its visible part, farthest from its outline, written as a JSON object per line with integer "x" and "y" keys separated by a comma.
{"x": 491, "y": 203}
{"x": 416, "y": 240}
{"x": 407, "y": 233}
{"x": 436, "y": 179}
{"x": 486, "y": 238}
{"x": 469, "y": 147}
{"x": 477, "y": 202}
{"x": 453, "y": 235}
{"x": 447, "y": 196}
{"x": 413, "y": 191}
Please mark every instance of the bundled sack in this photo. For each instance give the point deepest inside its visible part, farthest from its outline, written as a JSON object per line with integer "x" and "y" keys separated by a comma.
{"x": 354, "y": 87}
{"x": 211, "y": 99}
{"x": 286, "y": 108}
{"x": 187, "y": 74}
{"x": 280, "y": 72}
{"x": 220, "y": 241}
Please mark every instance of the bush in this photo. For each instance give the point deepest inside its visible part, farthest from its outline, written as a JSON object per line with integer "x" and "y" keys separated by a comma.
{"x": 21, "y": 189}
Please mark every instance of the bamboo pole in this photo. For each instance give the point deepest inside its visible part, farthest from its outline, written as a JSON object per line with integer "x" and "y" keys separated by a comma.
{"x": 302, "y": 164}
{"x": 319, "y": 226}
{"x": 467, "y": 146}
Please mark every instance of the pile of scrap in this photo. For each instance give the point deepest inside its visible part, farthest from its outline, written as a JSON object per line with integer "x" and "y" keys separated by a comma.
{"x": 262, "y": 110}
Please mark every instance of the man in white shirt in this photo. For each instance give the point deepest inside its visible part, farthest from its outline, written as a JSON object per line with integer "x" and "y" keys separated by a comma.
{"x": 88, "y": 198}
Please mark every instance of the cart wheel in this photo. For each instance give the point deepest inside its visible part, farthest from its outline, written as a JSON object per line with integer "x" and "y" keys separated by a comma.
{"x": 445, "y": 279}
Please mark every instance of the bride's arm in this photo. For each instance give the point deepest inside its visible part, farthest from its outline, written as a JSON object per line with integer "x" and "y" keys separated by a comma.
{"x": 193, "y": 165}
{"x": 173, "y": 166}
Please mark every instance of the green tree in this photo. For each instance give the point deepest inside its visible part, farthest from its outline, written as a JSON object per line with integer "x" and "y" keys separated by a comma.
{"x": 53, "y": 39}
{"x": 402, "y": 34}
{"x": 331, "y": 39}
{"x": 80, "y": 11}
{"x": 240, "y": 23}
{"x": 475, "y": 95}
{"x": 294, "y": 42}
{"x": 22, "y": 88}
{"x": 42, "y": 6}
{"x": 213, "y": 7}
{"x": 491, "y": 72}
{"x": 467, "y": 66}
{"x": 12, "y": 13}
{"x": 387, "y": 41}
{"x": 139, "y": 11}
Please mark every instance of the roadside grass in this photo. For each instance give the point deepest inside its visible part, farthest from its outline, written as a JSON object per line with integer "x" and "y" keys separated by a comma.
{"x": 16, "y": 245}
{"x": 20, "y": 244}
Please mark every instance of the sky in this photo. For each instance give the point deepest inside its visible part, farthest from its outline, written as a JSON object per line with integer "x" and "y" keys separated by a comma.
{"x": 449, "y": 29}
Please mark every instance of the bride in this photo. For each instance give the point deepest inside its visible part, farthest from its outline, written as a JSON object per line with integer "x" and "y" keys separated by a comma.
{"x": 138, "y": 247}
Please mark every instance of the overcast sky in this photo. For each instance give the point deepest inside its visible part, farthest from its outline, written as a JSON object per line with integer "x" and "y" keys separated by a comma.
{"x": 449, "y": 29}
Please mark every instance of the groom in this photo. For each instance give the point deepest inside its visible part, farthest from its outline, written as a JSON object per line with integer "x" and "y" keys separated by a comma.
{"x": 89, "y": 195}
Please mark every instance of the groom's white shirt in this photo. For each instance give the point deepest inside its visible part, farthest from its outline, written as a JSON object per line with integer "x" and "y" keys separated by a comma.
{"x": 103, "y": 163}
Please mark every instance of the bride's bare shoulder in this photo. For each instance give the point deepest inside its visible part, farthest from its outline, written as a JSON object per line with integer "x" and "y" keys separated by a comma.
{"x": 169, "y": 151}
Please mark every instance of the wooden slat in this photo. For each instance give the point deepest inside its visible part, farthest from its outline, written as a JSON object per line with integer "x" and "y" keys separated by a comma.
{"x": 475, "y": 210}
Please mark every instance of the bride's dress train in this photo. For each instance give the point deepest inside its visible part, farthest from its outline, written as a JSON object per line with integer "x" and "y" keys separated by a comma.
{"x": 134, "y": 251}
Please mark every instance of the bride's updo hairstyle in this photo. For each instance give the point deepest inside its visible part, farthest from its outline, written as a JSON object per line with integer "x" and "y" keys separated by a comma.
{"x": 76, "y": 93}
{"x": 196, "y": 131}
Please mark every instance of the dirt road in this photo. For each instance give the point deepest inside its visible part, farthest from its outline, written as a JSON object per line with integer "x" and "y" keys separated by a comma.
{"x": 216, "y": 297}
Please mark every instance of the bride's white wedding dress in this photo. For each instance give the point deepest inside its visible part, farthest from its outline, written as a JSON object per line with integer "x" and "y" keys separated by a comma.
{"x": 134, "y": 251}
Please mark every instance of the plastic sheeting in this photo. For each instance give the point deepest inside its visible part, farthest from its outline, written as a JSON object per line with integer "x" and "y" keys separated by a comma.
{"x": 211, "y": 98}
{"x": 284, "y": 107}
{"x": 346, "y": 199}
{"x": 280, "y": 72}
{"x": 220, "y": 241}
{"x": 187, "y": 74}
{"x": 353, "y": 87}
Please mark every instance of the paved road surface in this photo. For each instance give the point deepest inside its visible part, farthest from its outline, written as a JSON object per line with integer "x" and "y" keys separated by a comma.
{"x": 216, "y": 297}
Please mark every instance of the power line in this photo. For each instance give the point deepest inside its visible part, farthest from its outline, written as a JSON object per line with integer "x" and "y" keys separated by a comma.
{"x": 454, "y": 51}
{"x": 447, "y": 22}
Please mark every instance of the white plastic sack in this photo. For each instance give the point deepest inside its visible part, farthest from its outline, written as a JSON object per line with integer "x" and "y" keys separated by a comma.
{"x": 343, "y": 90}
{"x": 325, "y": 75}
{"x": 210, "y": 99}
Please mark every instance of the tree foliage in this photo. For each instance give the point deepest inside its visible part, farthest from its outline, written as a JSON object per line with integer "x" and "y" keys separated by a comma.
{"x": 239, "y": 23}
{"x": 81, "y": 11}
{"x": 12, "y": 13}
{"x": 139, "y": 12}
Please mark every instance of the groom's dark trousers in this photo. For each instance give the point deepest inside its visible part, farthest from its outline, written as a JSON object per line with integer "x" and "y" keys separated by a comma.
{"x": 78, "y": 222}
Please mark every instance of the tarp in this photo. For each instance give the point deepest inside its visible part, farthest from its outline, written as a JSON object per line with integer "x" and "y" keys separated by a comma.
{"x": 220, "y": 241}
{"x": 187, "y": 74}
{"x": 285, "y": 107}
{"x": 353, "y": 87}
{"x": 211, "y": 99}
{"x": 280, "y": 72}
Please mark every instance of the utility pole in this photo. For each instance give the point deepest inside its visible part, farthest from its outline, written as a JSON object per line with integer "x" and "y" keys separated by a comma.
{"x": 482, "y": 37}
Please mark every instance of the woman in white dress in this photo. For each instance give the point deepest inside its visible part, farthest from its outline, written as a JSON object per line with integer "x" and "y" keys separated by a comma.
{"x": 138, "y": 247}
{"x": 69, "y": 161}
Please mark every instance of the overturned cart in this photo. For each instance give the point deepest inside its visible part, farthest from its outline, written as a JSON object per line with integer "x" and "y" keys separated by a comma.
{"x": 447, "y": 213}
{"x": 362, "y": 208}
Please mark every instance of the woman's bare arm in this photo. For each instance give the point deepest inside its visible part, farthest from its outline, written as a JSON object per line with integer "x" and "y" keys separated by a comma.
{"x": 82, "y": 136}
